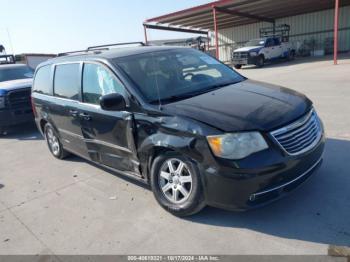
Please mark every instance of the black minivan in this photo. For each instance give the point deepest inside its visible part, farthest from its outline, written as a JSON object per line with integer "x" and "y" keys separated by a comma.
{"x": 193, "y": 128}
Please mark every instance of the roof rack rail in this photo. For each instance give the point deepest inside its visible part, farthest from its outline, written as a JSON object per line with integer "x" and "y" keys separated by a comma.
{"x": 117, "y": 44}
{"x": 281, "y": 31}
{"x": 71, "y": 52}
{"x": 99, "y": 47}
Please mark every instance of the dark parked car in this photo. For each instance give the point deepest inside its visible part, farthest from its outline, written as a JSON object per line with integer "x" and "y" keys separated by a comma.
{"x": 15, "y": 91}
{"x": 194, "y": 129}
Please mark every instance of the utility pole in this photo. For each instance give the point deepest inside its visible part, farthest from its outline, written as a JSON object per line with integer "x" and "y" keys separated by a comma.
{"x": 10, "y": 41}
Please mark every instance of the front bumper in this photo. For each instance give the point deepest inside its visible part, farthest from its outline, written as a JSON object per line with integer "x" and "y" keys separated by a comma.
{"x": 259, "y": 180}
{"x": 11, "y": 117}
{"x": 250, "y": 60}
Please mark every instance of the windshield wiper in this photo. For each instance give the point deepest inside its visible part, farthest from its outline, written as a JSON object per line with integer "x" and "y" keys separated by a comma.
{"x": 216, "y": 86}
{"x": 175, "y": 98}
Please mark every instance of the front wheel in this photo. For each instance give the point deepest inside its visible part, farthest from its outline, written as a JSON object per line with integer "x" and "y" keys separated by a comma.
{"x": 260, "y": 61}
{"x": 176, "y": 184}
{"x": 238, "y": 66}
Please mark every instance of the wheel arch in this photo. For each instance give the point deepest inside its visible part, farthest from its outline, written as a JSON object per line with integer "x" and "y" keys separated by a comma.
{"x": 156, "y": 151}
{"x": 43, "y": 122}
{"x": 161, "y": 143}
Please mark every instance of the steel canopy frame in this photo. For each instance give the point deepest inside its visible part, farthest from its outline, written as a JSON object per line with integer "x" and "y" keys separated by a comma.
{"x": 233, "y": 13}
{"x": 215, "y": 10}
{"x": 243, "y": 14}
{"x": 176, "y": 29}
{"x": 225, "y": 7}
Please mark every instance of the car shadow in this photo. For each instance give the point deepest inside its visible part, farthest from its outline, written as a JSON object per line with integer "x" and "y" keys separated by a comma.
{"x": 27, "y": 131}
{"x": 318, "y": 211}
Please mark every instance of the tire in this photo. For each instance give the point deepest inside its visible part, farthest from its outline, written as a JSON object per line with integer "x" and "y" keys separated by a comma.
{"x": 54, "y": 143}
{"x": 291, "y": 56}
{"x": 3, "y": 131}
{"x": 238, "y": 66}
{"x": 183, "y": 205}
{"x": 260, "y": 61}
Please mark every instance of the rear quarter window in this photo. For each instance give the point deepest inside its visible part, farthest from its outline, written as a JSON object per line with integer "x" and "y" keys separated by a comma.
{"x": 42, "y": 81}
{"x": 67, "y": 81}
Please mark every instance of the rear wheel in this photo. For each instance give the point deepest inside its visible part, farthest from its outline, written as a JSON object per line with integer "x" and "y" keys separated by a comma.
{"x": 54, "y": 143}
{"x": 176, "y": 184}
{"x": 260, "y": 61}
{"x": 3, "y": 131}
{"x": 291, "y": 55}
{"x": 238, "y": 66}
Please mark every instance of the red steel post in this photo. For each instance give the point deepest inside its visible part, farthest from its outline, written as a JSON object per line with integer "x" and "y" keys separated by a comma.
{"x": 208, "y": 42}
{"x": 336, "y": 22}
{"x": 145, "y": 32}
{"x": 216, "y": 33}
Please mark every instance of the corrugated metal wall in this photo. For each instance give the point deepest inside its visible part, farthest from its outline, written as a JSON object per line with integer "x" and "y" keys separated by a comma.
{"x": 303, "y": 27}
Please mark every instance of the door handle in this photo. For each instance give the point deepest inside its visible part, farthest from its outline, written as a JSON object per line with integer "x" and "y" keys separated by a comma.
{"x": 85, "y": 116}
{"x": 73, "y": 112}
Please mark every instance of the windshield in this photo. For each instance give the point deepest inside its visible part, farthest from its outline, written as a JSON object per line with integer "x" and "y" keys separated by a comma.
{"x": 255, "y": 42}
{"x": 178, "y": 74}
{"x": 13, "y": 73}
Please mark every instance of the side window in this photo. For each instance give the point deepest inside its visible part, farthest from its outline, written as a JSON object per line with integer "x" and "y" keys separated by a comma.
{"x": 276, "y": 41}
{"x": 42, "y": 82}
{"x": 269, "y": 42}
{"x": 98, "y": 81}
{"x": 67, "y": 81}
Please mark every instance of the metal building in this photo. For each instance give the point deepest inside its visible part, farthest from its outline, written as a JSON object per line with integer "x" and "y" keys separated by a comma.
{"x": 321, "y": 24}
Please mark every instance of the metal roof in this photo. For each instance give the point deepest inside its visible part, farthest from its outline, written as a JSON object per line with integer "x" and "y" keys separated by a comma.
{"x": 232, "y": 13}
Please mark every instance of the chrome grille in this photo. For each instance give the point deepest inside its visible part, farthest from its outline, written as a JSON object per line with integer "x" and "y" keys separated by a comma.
{"x": 239, "y": 55}
{"x": 300, "y": 136}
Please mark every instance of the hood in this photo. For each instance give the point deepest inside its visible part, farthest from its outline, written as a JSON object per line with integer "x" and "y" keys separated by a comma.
{"x": 15, "y": 84}
{"x": 248, "y": 105}
{"x": 248, "y": 49}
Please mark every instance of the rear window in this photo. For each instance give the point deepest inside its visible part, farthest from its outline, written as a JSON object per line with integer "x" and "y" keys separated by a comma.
{"x": 67, "y": 81}
{"x": 42, "y": 81}
{"x": 277, "y": 41}
{"x": 14, "y": 73}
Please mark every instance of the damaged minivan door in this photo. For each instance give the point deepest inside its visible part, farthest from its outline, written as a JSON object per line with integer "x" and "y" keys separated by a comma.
{"x": 105, "y": 120}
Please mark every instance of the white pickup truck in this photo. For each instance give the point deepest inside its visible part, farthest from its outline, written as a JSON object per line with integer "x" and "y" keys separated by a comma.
{"x": 258, "y": 51}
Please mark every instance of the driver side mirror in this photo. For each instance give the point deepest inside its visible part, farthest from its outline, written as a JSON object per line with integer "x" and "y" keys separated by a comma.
{"x": 112, "y": 102}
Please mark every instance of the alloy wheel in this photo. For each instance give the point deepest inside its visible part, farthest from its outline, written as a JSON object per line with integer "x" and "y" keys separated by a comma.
{"x": 175, "y": 181}
{"x": 53, "y": 142}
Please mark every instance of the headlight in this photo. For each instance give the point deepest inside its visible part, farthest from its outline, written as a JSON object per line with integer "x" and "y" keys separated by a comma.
{"x": 253, "y": 53}
{"x": 237, "y": 145}
{"x": 2, "y": 102}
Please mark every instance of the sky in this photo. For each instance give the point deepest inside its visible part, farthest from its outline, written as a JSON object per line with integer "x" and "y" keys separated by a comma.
{"x": 53, "y": 26}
